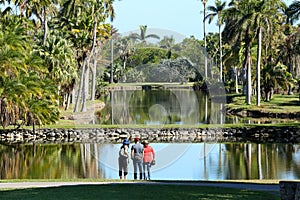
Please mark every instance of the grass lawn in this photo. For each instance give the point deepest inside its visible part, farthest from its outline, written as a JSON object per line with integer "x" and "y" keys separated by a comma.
{"x": 278, "y": 104}
{"x": 143, "y": 191}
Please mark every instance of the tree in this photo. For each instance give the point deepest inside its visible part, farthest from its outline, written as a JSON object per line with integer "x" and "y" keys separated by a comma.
{"x": 27, "y": 93}
{"x": 126, "y": 50}
{"x": 59, "y": 57}
{"x": 81, "y": 22}
{"x": 167, "y": 43}
{"x": 293, "y": 12}
{"x": 244, "y": 22}
{"x": 273, "y": 77}
{"x": 142, "y": 37}
{"x": 217, "y": 11}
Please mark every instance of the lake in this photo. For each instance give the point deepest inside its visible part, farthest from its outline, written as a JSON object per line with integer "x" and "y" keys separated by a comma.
{"x": 159, "y": 107}
{"x": 175, "y": 161}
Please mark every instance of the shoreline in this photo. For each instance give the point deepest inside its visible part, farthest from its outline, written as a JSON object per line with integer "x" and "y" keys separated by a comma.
{"x": 258, "y": 134}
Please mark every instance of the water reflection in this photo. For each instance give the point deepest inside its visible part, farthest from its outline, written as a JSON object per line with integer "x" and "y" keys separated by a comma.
{"x": 172, "y": 106}
{"x": 197, "y": 161}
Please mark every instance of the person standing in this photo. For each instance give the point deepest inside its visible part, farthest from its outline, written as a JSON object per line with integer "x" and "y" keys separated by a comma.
{"x": 149, "y": 159}
{"x": 124, "y": 159}
{"x": 137, "y": 154}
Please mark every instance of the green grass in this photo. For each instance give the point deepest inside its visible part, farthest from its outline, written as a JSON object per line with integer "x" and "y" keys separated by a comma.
{"x": 278, "y": 104}
{"x": 141, "y": 191}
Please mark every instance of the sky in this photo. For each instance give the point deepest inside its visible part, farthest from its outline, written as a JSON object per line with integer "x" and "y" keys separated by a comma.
{"x": 183, "y": 17}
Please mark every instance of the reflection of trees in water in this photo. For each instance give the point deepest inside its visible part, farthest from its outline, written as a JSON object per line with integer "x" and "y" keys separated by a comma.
{"x": 40, "y": 161}
{"x": 164, "y": 106}
{"x": 53, "y": 161}
{"x": 90, "y": 155}
{"x": 261, "y": 161}
{"x": 89, "y": 160}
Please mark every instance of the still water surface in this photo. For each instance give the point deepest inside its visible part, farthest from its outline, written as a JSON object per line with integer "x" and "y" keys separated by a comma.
{"x": 159, "y": 107}
{"x": 175, "y": 161}
{"x": 197, "y": 161}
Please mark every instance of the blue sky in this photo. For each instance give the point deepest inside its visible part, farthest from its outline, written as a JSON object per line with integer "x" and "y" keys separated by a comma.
{"x": 182, "y": 16}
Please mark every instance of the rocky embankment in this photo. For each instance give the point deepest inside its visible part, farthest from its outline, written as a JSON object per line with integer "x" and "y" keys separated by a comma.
{"x": 182, "y": 135}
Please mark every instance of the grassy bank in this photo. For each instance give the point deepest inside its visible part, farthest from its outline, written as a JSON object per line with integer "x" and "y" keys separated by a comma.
{"x": 278, "y": 104}
{"x": 141, "y": 191}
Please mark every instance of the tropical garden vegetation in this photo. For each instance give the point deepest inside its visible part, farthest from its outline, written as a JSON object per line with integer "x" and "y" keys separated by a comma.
{"x": 57, "y": 53}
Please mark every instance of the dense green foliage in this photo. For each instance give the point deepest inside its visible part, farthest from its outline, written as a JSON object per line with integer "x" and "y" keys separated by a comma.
{"x": 57, "y": 53}
{"x": 44, "y": 45}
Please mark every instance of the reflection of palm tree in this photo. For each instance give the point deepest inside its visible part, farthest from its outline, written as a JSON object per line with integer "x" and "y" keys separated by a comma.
{"x": 143, "y": 35}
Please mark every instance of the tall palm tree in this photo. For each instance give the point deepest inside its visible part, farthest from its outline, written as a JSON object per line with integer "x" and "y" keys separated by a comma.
{"x": 293, "y": 11}
{"x": 217, "y": 11}
{"x": 39, "y": 9}
{"x": 143, "y": 35}
{"x": 204, "y": 38}
{"x": 265, "y": 22}
{"x": 244, "y": 22}
{"x": 59, "y": 58}
{"x": 238, "y": 19}
{"x": 86, "y": 19}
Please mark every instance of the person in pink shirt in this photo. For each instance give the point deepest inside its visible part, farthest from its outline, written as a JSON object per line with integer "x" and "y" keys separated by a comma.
{"x": 148, "y": 160}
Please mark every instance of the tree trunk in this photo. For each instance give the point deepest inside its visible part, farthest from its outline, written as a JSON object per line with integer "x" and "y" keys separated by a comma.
{"x": 258, "y": 68}
{"x": 124, "y": 74}
{"x": 204, "y": 32}
{"x": 45, "y": 27}
{"x": 86, "y": 73}
{"x": 94, "y": 70}
{"x": 221, "y": 54}
{"x": 249, "y": 87}
{"x": 111, "y": 60}
{"x": 85, "y": 86}
{"x": 247, "y": 64}
{"x": 76, "y": 107}
{"x": 236, "y": 80}
{"x": 67, "y": 101}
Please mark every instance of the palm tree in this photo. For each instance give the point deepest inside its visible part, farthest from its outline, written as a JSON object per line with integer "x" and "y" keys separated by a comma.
{"x": 113, "y": 32}
{"x": 204, "y": 38}
{"x": 125, "y": 50}
{"x": 217, "y": 11}
{"x": 81, "y": 21}
{"x": 264, "y": 22}
{"x": 293, "y": 11}
{"x": 59, "y": 58}
{"x": 27, "y": 92}
{"x": 41, "y": 10}
{"x": 238, "y": 19}
{"x": 275, "y": 76}
{"x": 244, "y": 22}
{"x": 143, "y": 35}
{"x": 167, "y": 43}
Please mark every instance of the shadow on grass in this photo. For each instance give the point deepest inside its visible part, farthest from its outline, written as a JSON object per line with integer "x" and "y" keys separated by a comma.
{"x": 290, "y": 103}
{"x": 137, "y": 191}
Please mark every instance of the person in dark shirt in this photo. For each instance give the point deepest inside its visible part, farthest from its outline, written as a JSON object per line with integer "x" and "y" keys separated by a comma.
{"x": 137, "y": 155}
